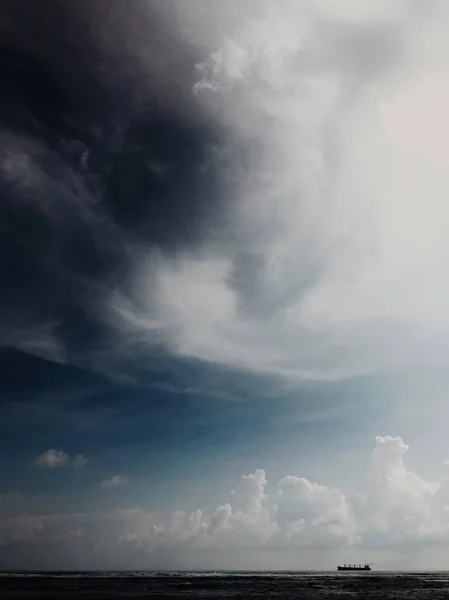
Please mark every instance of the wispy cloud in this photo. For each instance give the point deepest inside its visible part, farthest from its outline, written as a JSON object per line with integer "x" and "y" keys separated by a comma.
{"x": 312, "y": 142}
{"x": 114, "y": 481}
{"x": 80, "y": 461}
{"x": 330, "y": 260}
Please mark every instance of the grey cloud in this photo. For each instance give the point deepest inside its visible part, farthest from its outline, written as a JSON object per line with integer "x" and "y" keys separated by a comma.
{"x": 80, "y": 461}
{"x": 114, "y": 481}
{"x": 310, "y": 279}
{"x": 52, "y": 459}
{"x": 101, "y": 139}
{"x": 215, "y": 182}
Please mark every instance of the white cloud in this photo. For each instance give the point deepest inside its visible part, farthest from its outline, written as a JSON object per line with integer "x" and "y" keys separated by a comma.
{"x": 52, "y": 459}
{"x": 315, "y": 514}
{"x": 332, "y": 259}
{"x": 114, "y": 481}
{"x": 394, "y": 508}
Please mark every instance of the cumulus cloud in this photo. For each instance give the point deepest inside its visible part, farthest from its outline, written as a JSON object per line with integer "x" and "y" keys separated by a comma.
{"x": 114, "y": 481}
{"x": 394, "y": 508}
{"x": 316, "y": 514}
{"x": 52, "y": 459}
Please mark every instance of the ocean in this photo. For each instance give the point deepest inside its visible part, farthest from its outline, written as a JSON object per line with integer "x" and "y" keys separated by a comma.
{"x": 223, "y": 585}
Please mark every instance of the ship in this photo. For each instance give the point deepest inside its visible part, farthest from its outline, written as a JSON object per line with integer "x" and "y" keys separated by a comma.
{"x": 364, "y": 567}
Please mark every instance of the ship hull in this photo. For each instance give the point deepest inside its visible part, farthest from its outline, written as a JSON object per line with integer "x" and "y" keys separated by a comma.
{"x": 353, "y": 568}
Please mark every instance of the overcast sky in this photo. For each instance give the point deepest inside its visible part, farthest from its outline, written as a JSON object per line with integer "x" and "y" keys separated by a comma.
{"x": 224, "y": 263}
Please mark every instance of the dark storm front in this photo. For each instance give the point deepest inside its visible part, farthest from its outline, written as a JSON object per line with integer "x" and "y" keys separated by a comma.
{"x": 40, "y": 586}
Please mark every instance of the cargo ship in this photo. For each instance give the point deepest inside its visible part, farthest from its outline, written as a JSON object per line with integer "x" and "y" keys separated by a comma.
{"x": 364, "y": 567}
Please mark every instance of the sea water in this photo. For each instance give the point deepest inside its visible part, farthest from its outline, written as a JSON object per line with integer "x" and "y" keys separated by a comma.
{"x": 206, "y": 585}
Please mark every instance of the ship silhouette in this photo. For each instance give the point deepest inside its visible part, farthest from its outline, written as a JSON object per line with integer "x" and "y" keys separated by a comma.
{"x": 365, "y": 567}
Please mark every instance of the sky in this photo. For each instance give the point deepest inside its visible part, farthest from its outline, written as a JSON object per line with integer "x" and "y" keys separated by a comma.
{"x": 224, "y": 324}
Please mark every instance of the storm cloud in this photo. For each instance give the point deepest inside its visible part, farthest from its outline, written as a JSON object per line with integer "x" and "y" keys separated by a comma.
{"x": 228, "y": 186}
{"x": 104, "y": 148}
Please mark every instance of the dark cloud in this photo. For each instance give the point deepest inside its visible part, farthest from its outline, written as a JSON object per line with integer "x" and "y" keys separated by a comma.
{"x": 42, "y": 376}
{"x": 103, "y": 148}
